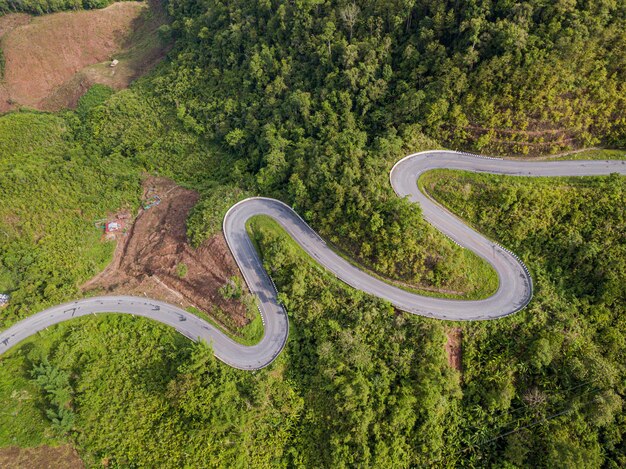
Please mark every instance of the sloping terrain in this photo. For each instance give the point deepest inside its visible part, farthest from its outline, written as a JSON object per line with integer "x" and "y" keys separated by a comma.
{"x": 10, "y": 22}
{"x": 50, "y": 61}
{"x": 149, "y": 258}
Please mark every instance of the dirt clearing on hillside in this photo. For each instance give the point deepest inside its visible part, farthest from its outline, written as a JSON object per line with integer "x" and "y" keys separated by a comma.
{"x": 10, "y": 22}
{"x": 51, "y": 60}
{"x": 41, "y": 457}
{"x": 154, "y": 259}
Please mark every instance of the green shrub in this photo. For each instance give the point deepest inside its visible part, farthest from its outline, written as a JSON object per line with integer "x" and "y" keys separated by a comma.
{"x": 95, "y": 96}
{"x": 205, "y": 218}
{"x": 181, "y": 270}
{"x": 232, "y": 289}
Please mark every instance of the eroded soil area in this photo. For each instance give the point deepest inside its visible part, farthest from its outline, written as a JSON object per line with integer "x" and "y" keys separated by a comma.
{"x": 50, "y": 61}
{"x": 149, "y": 257}
{"x": 41, "y": 457}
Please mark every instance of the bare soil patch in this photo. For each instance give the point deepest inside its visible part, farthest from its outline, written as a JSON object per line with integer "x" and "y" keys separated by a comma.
{"x": 149, "y": 253}
{"x": 50, "y": 61}
{"x": 41, "y": 457}
{"x": 454, "y": 348}
{"x": 9, "y": 22}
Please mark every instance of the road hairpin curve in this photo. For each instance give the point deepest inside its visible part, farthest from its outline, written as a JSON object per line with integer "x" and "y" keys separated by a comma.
{"x": 514, "y": 292}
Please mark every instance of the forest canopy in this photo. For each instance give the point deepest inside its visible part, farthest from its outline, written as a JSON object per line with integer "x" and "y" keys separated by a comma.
{"x": 317, "y": 98}
{"x": 311, "y": 102}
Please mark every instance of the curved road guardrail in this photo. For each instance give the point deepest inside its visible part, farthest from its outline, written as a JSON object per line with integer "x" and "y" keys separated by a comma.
{"x": 514, "y": 291}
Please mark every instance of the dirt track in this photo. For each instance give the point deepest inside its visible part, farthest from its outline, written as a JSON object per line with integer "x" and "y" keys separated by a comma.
{"x": 454, "y": 349}
{"x": 147, "y": 258}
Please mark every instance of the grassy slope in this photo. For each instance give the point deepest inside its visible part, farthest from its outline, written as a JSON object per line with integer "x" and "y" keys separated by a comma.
{"x": 261, "y": 225}
{"x": 52, "y": 190}
{"x": 250, "y": 334}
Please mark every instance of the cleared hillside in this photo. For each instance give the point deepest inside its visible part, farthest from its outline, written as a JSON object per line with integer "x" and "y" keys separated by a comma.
{"x": 50, "y": 61}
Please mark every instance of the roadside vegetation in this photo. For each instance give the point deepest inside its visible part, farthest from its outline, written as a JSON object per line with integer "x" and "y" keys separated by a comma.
{"x": 250, "y": 334}
{"x": 312, "y": 103}
{"x": 481, "y": 282}
{"x": 362, "y": 384}
{"x": 205, "y": 219}
{"x": 595, "y": 154}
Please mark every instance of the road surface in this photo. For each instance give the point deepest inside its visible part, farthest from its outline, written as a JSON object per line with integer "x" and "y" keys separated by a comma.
{"x": 514, "y": 291}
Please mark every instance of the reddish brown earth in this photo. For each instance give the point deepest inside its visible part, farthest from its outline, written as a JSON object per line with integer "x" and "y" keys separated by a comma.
{"x": 50, "y": 61}
{"x": 10, "y": 22}
{"x": 42, "y": 457}
{"x": 147, "y": 257}
{"x": 454, "y": 349}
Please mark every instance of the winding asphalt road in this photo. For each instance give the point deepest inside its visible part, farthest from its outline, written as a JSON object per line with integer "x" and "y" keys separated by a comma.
{"x": 514, "y": 291}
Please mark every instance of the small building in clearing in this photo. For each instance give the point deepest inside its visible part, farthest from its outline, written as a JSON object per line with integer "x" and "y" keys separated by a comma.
{"x": 112, "y": 226}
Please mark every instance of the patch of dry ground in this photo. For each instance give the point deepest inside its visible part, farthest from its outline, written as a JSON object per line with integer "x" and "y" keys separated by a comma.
{"x": 50, "y": 61}
{"x": 41, "y": 457}
{"x": 454, "y": 348}
{"x": 10, "y": 22}
{"x": 147, "y": 257}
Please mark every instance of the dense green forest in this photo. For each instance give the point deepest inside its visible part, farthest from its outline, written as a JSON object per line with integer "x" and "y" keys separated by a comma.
{"x": 312, "y": 102}
{"x": 319, "y": 97}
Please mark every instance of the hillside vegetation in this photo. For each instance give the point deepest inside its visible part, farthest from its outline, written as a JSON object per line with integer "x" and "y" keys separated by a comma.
{"x": 61, "y": 173}
{"x": 312, "y": 102}
{"x": 318, "y": 98}
{"x": 52, "y": 188}
{"x": 562, "y": 359}
{"x": 360, "y": 384}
